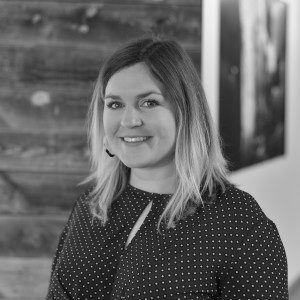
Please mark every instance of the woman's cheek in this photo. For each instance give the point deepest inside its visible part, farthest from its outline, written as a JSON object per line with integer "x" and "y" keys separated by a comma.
{"x": 111, "y": 131}
{"x": 108, "y": 123}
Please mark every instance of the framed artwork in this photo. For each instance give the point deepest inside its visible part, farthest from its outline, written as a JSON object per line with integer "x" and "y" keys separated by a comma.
{"x": 252, "y": 80}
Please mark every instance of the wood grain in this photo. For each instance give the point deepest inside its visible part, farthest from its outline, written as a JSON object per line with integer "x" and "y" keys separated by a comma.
{"x": 53, "y": 152}
{"x": 28, "y": 193}
{"x": 24, "y": 278}
{"x": 120, "y": 2}
{"x": 100, "y": 23}
{"x": 33, "y": 236}
{"x": 58, "y": 66}
{"x": 43, "y": 108}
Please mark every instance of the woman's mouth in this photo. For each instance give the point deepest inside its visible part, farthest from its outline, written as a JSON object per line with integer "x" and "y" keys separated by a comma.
{"x": 135, "y": 139}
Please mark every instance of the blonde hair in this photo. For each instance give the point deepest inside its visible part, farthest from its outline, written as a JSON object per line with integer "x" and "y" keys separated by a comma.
{"x": 200, "y": 166}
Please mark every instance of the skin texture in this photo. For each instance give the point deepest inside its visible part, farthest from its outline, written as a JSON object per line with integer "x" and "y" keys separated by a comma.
{"x": 135, "y": 106}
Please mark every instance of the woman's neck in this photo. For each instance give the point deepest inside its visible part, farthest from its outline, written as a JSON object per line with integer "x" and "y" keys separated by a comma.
{"x": 162, "y": 181}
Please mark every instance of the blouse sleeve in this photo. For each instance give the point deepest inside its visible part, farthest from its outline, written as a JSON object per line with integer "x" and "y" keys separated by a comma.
{"x": 257, "y": 269}
{"x": 55, "y": 290}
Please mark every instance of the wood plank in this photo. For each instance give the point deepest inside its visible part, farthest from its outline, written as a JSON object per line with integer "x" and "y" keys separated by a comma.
{"x": 24, "y": 278}
{"x": 118, "y": 2}
{"x": 38, "y": 152}
{"x": 38, "y": 193}
{"x": 43, "y": 108}
{"x": 97, "y": 23}
{"x": 30, "y": 236}
{"x": 58, "y": 66}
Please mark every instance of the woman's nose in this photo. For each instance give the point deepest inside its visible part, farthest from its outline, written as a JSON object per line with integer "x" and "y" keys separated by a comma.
{"x": 131, "y": 118}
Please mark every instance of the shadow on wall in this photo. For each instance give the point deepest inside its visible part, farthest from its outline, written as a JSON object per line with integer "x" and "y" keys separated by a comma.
{"x": 294, "y": 290}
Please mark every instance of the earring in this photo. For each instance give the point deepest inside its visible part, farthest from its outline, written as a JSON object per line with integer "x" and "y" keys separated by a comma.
{"x": 105, "y": 145}
{"x": 109, "y": 154}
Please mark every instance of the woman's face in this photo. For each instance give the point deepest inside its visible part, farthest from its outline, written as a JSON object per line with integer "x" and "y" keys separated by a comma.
{"x": 139, "y": 122}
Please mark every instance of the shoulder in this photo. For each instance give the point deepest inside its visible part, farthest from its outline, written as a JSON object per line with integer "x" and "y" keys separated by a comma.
{"x": 81, "y": 206}
{"x": 236, "y": 203}
{"x": 85, "y": 196}
{"x": 232, "y": 215}
{"x": 251, "y": 247}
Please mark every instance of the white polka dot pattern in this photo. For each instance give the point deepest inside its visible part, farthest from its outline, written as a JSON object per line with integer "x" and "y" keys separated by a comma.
{"x": 227, "y": 250}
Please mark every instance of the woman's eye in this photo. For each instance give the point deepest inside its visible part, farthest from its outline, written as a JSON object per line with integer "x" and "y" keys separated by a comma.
{"x": 150, "y": 103}
{"x": 113, "y": 105}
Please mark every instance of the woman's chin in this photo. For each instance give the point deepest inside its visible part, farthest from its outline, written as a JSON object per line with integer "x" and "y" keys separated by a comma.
{"x": 133, "y": 164}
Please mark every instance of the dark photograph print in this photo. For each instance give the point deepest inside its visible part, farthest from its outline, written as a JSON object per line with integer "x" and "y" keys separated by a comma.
{"x": 252, "y": 80}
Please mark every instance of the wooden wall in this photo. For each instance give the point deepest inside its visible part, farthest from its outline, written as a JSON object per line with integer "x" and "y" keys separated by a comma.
{"x": 50, "y": 54}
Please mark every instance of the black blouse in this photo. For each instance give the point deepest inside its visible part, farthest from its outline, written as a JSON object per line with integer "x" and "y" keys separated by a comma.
{"x": 226, "y": 250}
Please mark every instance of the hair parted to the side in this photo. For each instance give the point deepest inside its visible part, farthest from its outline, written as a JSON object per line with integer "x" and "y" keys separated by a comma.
{"x": 200, "y": 165}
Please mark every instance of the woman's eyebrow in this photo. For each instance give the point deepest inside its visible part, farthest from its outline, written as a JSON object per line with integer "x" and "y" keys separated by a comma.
{"x": 111, "y": 96}
{"x": 146, "y": 94}
{"x": 139, "y": 96}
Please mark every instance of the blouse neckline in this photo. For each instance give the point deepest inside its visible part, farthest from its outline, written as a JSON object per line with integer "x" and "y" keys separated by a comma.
{"x": 146, "y": 193}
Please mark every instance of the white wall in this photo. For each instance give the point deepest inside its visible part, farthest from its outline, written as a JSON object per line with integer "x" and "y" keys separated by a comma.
{"x": 274, "y": 183}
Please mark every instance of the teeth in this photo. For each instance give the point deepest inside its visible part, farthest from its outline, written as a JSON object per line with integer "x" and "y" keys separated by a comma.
{"x": 135, "y": 139}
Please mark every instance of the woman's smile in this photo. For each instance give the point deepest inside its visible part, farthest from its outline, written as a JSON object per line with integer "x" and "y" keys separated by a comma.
{"x": 136, "y": 139}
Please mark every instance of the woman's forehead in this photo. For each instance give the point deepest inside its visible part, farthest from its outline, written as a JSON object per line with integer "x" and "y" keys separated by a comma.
{"x": 135, "y": 79}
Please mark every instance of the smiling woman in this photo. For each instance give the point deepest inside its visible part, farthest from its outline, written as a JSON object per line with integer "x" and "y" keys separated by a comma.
{"x": 161, "y": 219}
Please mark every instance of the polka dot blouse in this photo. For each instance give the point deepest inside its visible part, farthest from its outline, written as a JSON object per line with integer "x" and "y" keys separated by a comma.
{"x": 227, "y": 250}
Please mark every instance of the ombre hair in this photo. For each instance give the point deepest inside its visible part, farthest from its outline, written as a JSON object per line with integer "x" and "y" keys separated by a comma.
{"x": 200, "y": 166}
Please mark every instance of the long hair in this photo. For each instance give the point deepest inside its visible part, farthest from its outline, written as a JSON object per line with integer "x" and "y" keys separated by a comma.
{"x": 200, "y": 166}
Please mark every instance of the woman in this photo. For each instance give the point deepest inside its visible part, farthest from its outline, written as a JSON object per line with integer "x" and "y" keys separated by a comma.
{"x": 161, "y": 220}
